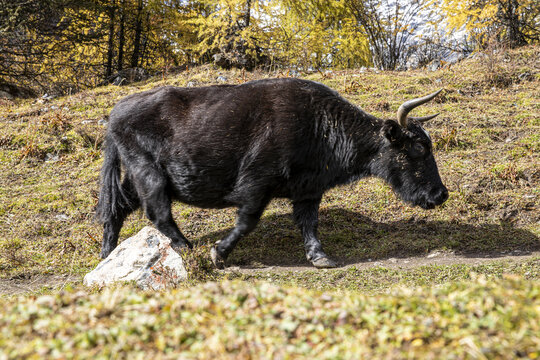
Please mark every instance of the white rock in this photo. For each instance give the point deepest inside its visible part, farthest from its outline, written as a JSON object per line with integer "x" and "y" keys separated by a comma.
{"x": 50, "y": 157}
{"x": 62, "y": 217}
{"x": 434, "y": 65}
{"x": 146, "y": 258}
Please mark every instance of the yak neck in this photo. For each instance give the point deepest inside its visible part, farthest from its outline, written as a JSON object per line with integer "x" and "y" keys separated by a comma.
{"x": 351, "y": 138}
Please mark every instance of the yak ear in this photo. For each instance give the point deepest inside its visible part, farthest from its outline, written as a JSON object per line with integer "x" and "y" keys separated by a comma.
{"x": 392, "y": 131}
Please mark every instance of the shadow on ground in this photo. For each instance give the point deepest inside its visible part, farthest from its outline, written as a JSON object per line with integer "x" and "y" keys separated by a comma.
{"x": 350, "y": 237}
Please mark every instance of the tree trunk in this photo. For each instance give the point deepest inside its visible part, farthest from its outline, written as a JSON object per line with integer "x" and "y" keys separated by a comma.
{"x": 247, "y": 16}
{"x": 138, "y": 31}
{"x": 145, "y": 40}
{"x": 121, "y": 39}
{"x": 110, "y": 50}
{"x": 514, "y": 34}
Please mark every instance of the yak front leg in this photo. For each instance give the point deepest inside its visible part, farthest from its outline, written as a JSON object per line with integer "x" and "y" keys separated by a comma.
{"x": 247, "y": 220}
{"x": 306, "y": 215}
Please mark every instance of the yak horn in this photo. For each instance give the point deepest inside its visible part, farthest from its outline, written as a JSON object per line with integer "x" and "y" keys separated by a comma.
{"x": 407, "y": 106}
{"x": 422, "y": 119}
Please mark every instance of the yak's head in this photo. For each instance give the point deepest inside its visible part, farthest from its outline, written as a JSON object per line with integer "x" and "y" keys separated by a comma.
{"x": 406, "y": 158}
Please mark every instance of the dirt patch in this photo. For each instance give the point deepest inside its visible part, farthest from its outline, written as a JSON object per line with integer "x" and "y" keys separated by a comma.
{"x": 44, "y": 283}
{"x": 434, "y": 258}
{"x": 36, "y": 284}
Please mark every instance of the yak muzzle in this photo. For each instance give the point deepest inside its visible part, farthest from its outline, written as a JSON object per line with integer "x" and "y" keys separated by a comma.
{"x": 437, "y": 196}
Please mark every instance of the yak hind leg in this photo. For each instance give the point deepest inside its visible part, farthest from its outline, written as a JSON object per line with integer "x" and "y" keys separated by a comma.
{"x": 247, "y": 220}
{"x": 151, "y": 185}
{"x": 306, "y": 216}
{"x": 114, "y": 222}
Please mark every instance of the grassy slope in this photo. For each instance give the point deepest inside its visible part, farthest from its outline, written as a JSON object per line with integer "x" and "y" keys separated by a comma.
{"x": 488, "y": 144}
{"x": 487, "y": 139}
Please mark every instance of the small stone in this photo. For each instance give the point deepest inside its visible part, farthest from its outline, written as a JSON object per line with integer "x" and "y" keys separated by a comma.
{"x": 146, "y": 258}
{"x": 326, "y": 297}
{"x": 62, "y": 217}
{"x": 102, "y": 122}
{"x": 50, "y": 157}
{"x": 46, "y": 301}
{"x": 342, "y": 317}
{"x": 119, "y": 80}
{"x": 526, "y": 76}
{"x": 434, "y": 65}
{"x": 6, "y": 95}
{"x": 222, "y": 79}
{"x": 234, "y": 269}
{"x": 84, "y": 122}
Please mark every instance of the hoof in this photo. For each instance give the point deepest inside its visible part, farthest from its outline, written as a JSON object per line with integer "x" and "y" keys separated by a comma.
{"x": 324, "y": 263}
{"x": 179, "y": 249}
{"x": 105, "y": 253}
{"x": 218, "y": 261}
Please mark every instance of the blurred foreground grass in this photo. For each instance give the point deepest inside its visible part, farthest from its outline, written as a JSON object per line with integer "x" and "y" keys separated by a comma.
{"x": 477, "y": 319}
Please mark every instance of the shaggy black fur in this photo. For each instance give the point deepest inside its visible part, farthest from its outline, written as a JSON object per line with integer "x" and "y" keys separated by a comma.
{"x": 242, "y": 145}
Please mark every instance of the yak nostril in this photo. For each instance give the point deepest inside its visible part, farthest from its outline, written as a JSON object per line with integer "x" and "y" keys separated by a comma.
{"x": 445, "y": 195}
{"x": 440, "y": 195}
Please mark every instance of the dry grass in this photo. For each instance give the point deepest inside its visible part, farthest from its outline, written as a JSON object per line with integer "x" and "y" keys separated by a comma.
{"x": 486, "y": 141}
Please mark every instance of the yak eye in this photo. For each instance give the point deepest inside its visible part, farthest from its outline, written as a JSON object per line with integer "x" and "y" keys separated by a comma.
{"x": 419, "y": 149}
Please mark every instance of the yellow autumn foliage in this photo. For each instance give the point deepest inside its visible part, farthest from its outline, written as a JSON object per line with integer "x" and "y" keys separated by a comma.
{"x": 516, "y": 22}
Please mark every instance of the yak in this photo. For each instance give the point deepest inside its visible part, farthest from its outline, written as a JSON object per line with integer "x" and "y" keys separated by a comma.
{"x": 243, "y": 145}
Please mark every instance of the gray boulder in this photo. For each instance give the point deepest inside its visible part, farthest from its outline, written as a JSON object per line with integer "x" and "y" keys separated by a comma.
{"x": 128, "y": 76}
{"x": 6, "y": 95}
{"x": 146, "y": 258}
{"x": 434, "y": 65}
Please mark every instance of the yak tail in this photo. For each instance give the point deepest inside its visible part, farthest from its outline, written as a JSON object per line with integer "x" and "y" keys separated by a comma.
{"x": 112, "y": 197}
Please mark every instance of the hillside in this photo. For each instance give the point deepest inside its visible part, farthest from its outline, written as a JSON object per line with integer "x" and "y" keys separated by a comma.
{"x": 487, "y": 142}
{"x": 486, "y": 139}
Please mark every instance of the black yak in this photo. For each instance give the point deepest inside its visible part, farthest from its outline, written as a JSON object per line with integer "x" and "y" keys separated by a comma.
{"x": 242, "y": 145}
